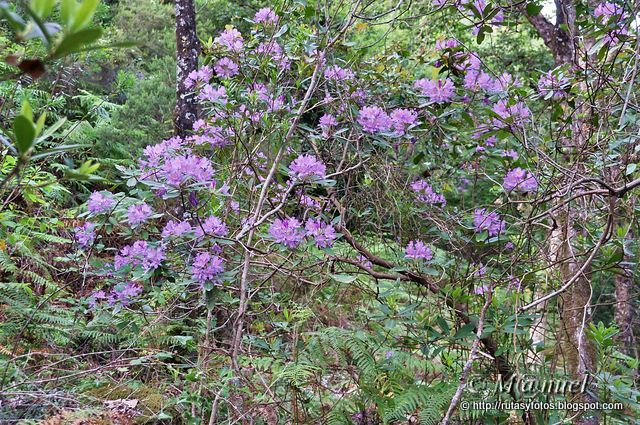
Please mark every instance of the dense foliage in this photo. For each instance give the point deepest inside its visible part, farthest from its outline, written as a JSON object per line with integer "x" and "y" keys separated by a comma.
{"x": 383, "y": 210}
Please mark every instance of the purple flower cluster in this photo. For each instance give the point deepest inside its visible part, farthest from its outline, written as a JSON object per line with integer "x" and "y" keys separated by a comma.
{"x": 212, "y": 226}
{"x": 402, "y": 119}
{"x": 226, "y": 68}
{"x": 139, "y": 254}
{"x": 520, "y": 180}
{"x": 450, "y": 43}
{"x": 99, "y": 203}
{"x": 216, "y": 136}
{"x": 181, "y": 168}
{"x": 489, "y": 221}
{"x": 207, "y": 267}
{"x": 265, "y": 16}
{"x": 551, "y": 86}
{"x": 337, "y": 73}
{"x": 85, "y": 234}
{"x": 175, "y": 229}
{"x": 323, "y": 234}
{"x": 426, "y": 194}
{"x": 201, "y": 76}
{"x": 212, "y": 94}
{"x": 137, "y": 214}
{"x": 437, "y": 91}
{"x": 374, "y": 119}
{"x": 122, "y": 294}
{"x": 518, "y": 113}
{"x": 231, "y": 39}
{"x": 306, "y": 167}
{"x": 606, "y": 10}
{"x": 417, "y": 250}
{"x": 287, "y": 231}
{"x": 327, "y": 122}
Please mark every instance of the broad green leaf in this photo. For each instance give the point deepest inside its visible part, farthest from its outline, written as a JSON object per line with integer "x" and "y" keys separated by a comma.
{"x": 24, "y": 132}
{"x": 42, "y": 8}
{"x": 68, "y": 11}
{"x": 40, "y": 123}
{"x": 533, "y": 9}
{"x": 84, "y": 14}
{"x": 343, "y": 278}
{"x": 631, "y": 168}
{"x": 77, "y": 41}
{"x": 26, "y": 110}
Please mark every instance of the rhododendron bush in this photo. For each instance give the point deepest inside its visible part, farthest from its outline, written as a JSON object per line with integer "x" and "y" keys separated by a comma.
{"x": 463, "y": 202}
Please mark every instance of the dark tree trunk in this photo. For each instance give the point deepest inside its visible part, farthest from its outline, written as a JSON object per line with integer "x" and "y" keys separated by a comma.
{"x": 185, "y": 113}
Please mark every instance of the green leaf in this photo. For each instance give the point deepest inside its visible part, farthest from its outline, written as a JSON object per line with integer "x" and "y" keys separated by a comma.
{"x": 40, "y": 123}
{"x": 26, "y": 110}
{"x": 55, "y": 151}
{"x": 533, "y": 9}
{"x": 42, "y": 8}
{"x": 343, "y": 278}
{"x": 77, "y": 41}
{"x": 25, "y": 133}
{"x": 68, "y": 11}
{"x": 631, "y": 168}
{"x": 84, "y": 14}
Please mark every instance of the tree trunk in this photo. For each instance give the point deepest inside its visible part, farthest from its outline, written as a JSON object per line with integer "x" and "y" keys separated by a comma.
{"x": 578, "y": 351}
{"x": 185, "y": 113}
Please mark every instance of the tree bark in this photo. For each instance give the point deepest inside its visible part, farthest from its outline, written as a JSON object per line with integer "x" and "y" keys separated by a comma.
{"x": 185, "y": 113}
{"x": 563, "y": 41}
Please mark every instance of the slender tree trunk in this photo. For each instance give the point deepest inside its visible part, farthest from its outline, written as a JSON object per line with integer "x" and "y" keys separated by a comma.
{"x": 624, "y": 301}
{"x": 185, "y": 113}
{"x": 578, "y": 352}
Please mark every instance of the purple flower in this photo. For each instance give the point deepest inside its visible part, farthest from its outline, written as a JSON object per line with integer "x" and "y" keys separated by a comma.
{"x": 181, "y": 168}
{"x": 226, "y": 68}
{"x": 449, "y": 43}
{"x": 337, "y": 73}
{"x": 489, "y": 221}
{"x": 426, "y": 194}
{"x": 137, "y": 214}
{"x": 551, "y": 86}
{"x": 481, "y": 290}
{"x": 606, "y": 10}
{"x": 231, "y": 39}
{"x": 327, "y": 122}
{"x": 520, "y": 180}
{"x": 265, "y": 16}
{"x": 124, "y": 294}
{"x": 139, "y": 254}
{"x": 212, "y": 226}
{"x": 364, "y": 261}
{"x": 287, "y": 231}
{"x": 374, "y": 119}
{"x": 437, "y": 91}
{"x": 403, "y": 118}
{"x": 323, "y": 234}
{"x": 85, "y": 234}
{"x": 212, "y": 94}
{"x": 417, "y": 250}
{"x": 175, "y": 229}
{"x": 95, "y": 297}
{"x": 518, "y": 113}
{"x": 307, "y": 166}
{"x": 207, "y": 267}
{"x": 510, "y": 154}
{"x": 99, "y": 203}
{"x": 201, "y": 76}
